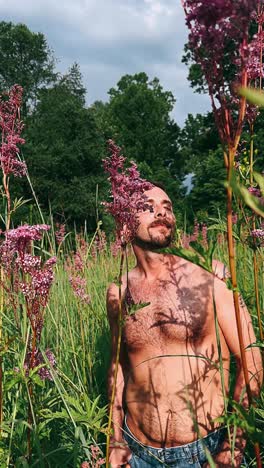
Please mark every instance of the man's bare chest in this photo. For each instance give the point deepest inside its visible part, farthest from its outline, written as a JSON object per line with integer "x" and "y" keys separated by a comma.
{"x": 174, "y": 314}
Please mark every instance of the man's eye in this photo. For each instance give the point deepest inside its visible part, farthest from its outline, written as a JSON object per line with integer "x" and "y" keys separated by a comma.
{"x": 149, "y": 207}
{"x": 168, "y": 208}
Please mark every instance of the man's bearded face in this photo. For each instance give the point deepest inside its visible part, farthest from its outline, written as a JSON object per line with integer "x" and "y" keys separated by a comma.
{"x": 156, "y": 226}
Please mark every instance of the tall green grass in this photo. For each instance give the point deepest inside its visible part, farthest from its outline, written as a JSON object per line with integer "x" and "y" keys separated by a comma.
{"x": 70, "y": 413}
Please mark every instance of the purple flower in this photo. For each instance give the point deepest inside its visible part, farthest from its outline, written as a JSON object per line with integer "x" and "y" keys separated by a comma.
{"x": 257, "y": 233}
{"x": 11, "y": 128}
{"x": 254, "y": 191}
{"x": 234, "y": 217}
{"x": 26, "y": 275}
{"x": 60, "y": 233}
{"x": 99, "y": 244}
{"x": 43, "y": 372}
{"x": 21, "y": 237}
{"x": 127, "y": 193}
{"x": 16, "y": 244}
{"x": 27, "y": 233}
{"x": 204, "y": 231}
{"x": 217, "y": 26}
{"x": 195, "y": 234}
{"x": 75, "y": 267}
{"x": 51, "y": 261}
{"x": 28, "y": 263}
{"x": 35, "y": 287}
{"x": 79, "y": 285}
{"x": 115, "y": 247}
{"x": 254, "y": 63}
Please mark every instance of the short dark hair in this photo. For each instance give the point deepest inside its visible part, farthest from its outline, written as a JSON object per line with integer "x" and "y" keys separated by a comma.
{"x": 157, "y": 184}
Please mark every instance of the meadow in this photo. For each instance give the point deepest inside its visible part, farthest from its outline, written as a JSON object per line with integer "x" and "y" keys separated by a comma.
{"x": 54, "y": 333}
{"x": 69, "y": 409}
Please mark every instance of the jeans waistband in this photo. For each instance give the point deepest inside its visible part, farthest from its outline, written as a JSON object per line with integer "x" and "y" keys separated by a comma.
{"x": 191, "y": 453}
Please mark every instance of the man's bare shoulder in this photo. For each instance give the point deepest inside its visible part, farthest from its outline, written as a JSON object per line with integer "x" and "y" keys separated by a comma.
{"x": 184, "y": 267}
{"x": 112, "y": 295}
{"x": 219, "y": 269}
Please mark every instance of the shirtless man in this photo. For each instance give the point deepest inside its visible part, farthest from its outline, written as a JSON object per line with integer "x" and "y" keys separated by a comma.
{"x": 169, "y": 390}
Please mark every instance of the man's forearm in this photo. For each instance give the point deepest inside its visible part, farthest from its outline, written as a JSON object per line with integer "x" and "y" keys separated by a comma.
{"x": 120, "y": 453}
{"x": 232, "y": 450}
{"x": 118, "y": 419}
{"x": 118, "y": 412}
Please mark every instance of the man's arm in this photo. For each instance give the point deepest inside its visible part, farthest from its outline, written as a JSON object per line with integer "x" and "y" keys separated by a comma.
{"x": 120, "y": 453}
{"x": 227, "y": 322}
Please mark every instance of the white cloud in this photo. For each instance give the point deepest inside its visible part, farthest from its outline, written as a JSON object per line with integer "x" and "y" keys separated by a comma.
{"x": 154, "y": 12}
{"x": 110, "y": 38}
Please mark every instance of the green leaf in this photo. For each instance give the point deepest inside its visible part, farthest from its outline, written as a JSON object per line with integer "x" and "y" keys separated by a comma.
{"x": 196, "y": 246}
{"x": 200, "y": 256}
{"x": 254, "y": 96}
{"x": 222, "y": 228}
{"x": 21, "y": 462}
{"x": 18, "y": 202}
{"x": 260, "y": 180}
{"x": 257, "y": 344}
{"x": 260, "y": 412}
{"x": 249, "y": 199}
{"x": 12, "y": 382}
{"x": 133, "y": 308}
{"x": 34, "y": 371}
{"x": 184, "y": 253}
{"x": 38, "y": 381}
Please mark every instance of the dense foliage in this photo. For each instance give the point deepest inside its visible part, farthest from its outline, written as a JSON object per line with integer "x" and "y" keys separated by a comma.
{"x": 66, "y": 140}
{"x": 54, "y": 333}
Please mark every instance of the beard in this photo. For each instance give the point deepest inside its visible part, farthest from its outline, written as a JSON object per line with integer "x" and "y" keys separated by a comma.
{"x": 156, "y": 240}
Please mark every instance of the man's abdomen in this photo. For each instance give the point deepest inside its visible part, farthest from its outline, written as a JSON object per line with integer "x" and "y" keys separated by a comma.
{"x": 173, "y": 400}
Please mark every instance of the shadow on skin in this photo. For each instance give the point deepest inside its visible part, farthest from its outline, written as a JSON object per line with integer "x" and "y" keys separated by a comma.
{"x": 178, "y": 313}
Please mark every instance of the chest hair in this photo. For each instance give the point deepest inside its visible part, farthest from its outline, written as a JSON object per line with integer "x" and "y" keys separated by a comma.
{"x": 175, "y": 313}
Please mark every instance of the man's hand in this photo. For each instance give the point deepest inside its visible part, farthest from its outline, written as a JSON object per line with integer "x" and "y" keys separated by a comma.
{"x": 224, "y": 458}
{"x": 120, "y": 455}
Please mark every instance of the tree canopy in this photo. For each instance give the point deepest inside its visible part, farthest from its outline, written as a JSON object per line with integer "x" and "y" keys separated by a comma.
{"x": 25, "y": 59}
{"x": 138, "y": 118}
{"x": 66, "y": 139}
{"x": 64, "y": 150}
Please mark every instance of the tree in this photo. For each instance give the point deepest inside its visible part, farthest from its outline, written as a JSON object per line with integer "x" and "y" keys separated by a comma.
{"x": 138, "y": 118}
{"x": 64, "y": 151}
{"x": 73, "y": 81}
{"x": 25, "y": 59}
{"x": 208, "y": 192}
{"x": 200, "y": 146}
{"x": 197, "y": 137}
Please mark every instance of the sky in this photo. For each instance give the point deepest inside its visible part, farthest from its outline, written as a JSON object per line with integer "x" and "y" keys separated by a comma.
{"x": 111, "y": 38}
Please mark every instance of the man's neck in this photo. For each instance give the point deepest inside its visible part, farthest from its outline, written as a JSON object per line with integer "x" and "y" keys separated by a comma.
{"x": 149, "y": 263}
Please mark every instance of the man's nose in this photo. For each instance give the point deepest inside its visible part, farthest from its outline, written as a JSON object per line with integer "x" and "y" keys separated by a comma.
{"x": 160, "y": 212}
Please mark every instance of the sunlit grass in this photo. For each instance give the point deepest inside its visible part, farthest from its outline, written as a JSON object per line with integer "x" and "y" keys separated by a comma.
{"x": 78, "y": 335}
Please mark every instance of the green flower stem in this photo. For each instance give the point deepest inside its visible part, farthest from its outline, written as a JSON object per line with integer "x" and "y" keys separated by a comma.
{"x": 117, "y": 356}
{"x": 232, "y": 265}
{"x": 235, "y": 291}
{"x": 251, "y": 153}
{"x": 8, "y": 198}
{"x": 256, "y": 285}
{"x": 255, "y": 265}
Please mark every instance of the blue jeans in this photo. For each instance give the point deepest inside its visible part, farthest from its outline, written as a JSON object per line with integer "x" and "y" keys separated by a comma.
{"x": 183, "y": 456}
